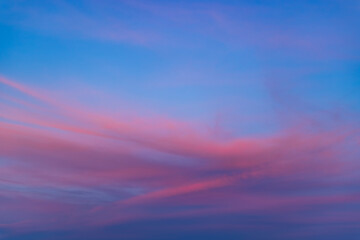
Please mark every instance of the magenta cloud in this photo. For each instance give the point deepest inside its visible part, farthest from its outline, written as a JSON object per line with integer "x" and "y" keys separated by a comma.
{"x": 73, "y": 167}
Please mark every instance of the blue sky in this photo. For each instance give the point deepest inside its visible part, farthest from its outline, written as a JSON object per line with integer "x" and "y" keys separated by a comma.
{"x": 177, "y": 115}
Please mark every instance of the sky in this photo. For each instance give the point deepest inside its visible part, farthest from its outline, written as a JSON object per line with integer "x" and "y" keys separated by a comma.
{"x": 183, "y": 119}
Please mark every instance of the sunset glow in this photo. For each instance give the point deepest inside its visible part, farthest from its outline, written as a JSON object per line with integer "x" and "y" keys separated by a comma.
{"x": 186, "y": 119}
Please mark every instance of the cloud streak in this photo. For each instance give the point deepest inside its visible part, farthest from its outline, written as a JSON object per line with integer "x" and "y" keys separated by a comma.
{"x": 127, "y": 170}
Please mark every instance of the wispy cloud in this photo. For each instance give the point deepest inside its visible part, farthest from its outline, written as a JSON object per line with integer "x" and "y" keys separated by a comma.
{"x": 258, "y": 27}
{"x": 83, "y": 149}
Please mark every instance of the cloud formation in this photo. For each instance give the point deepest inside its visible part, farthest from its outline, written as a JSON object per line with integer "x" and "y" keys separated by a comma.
{"x": 72, "y": 167}
{"x": 179, "y": 119}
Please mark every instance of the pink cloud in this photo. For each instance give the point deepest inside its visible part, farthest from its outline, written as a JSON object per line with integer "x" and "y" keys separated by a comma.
{"x": 49, "y": 150}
